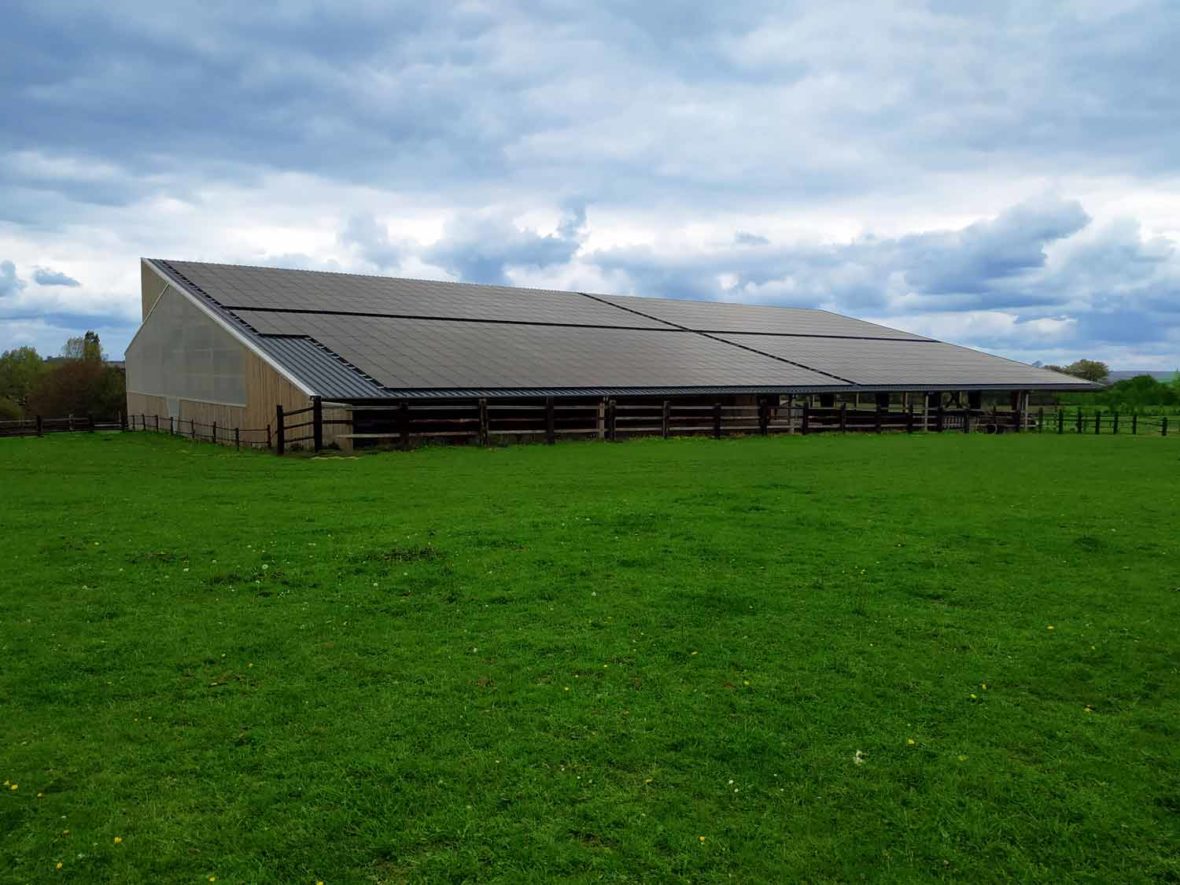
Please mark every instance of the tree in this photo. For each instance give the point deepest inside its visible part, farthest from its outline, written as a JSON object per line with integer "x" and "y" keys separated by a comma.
{"x": 1091, "y": 370}
{"x": 79, "y": 387}
{"x": 87, "y": 347}
{"x": 20, "y": 369}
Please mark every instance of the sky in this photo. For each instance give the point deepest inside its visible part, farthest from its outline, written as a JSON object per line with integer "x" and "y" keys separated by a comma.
{"x": 1004, "y": 175}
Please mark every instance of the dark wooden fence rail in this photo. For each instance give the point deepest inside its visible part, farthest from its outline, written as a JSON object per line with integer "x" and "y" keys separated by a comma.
{"x": 238, "y": 437}
{"x": 404, "y": 423}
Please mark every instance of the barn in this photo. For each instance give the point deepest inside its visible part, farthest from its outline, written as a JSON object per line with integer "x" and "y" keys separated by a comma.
{"x": 285, "y": 358}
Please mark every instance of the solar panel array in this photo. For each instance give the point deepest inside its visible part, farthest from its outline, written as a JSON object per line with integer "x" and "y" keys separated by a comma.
{"x": 420, "y": 335}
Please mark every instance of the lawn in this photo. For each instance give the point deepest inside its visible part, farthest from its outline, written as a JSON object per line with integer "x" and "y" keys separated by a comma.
{"x": 887, "y": 658}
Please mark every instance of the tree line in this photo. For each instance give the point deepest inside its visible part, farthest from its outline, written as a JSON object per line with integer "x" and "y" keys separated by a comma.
{"x": 78, "y": 382}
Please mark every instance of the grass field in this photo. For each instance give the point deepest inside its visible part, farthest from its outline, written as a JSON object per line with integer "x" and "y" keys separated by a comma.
{"x": 880, "y": 658}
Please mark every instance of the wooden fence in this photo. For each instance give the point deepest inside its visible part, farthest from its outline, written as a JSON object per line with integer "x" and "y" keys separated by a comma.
{"x": 256, "y": 438}
{"x": 38, "y": 426}
{"x": 406, "y": 423}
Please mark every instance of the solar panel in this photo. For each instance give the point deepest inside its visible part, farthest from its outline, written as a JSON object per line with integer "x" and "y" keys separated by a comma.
{"x": 883, "y": 363}
{"x": 277, "y": 289}
{"x": 445, "y": 354}
{"x": 720, "y": 316}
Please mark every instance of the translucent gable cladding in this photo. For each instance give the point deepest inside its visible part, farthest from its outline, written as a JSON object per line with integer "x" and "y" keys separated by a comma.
{"x": 181, "y": 352}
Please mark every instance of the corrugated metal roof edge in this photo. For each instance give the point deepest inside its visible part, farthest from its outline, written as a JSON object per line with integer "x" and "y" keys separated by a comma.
{"x": 531, "y": 392}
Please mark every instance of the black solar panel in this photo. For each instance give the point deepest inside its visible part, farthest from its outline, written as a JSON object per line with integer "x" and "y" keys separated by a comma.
{"x": 274, "y": 289}
{"x": 415, "y": 353}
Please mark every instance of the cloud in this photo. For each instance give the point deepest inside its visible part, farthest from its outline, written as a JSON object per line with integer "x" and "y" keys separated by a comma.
{"x": 483, "y": 247}
{"x": 43, "y": 276}
{"x": 890, "y": 160}
{"x": 10, "y": 283}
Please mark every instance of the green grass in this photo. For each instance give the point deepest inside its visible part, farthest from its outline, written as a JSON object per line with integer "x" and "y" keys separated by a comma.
{"x": 652, "y": 661}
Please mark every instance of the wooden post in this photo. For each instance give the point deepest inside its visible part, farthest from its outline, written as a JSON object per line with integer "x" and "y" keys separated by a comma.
{"x": 666, "y": 420}
{"x": 1098, "y": 421}
{"x": 280, "y": 431}
{"x": 610, "y": 419}
{"x": 600, "y": 420}
{"x": 1079, "y": 419}
{"x": 1164, "y": 426}
{"x": 157, "y": 417}
{"x": 237, "y": 438}
{"x": 483, "y": 422}
{"x": 909, "y": 418}
{"x": 1114, "y": 427}
{"x": 214, "y": 431}
{"x": 1060, "y": 420}
{"x": 317, "y": 423}
{"x": 550, "y": 422}
{"x": 1134, "y": 423}
{"x": 192, "y": 428}
{"x": 716, "y": 420}
{"x": 843, "y": 417}
{"x": 790, "y": 413}
{"x": 877, "y": 420}
{"x": 403, "y": 414}
{"x": 40, "y": 428}
{"x": 1017, "y": 421}
{"x": 122, "y": 421}
{"x": 268, "y": 435}
{"x": 1041, "y": 421}
{"x": 966, "y": 420}
{"x": 805, "y": 428}
{"x": 939, "y": 418}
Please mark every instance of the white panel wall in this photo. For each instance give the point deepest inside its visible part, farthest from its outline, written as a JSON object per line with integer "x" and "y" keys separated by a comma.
{"x": 180, "y": 352}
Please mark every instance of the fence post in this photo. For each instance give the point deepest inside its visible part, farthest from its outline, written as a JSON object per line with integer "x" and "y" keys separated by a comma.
{"x": 317, "y": 423}
{"x": 268, "y": 435}
{"x": 939, "y": 419}
{"x": 1098, "y": 421}
{"x": 280, "y": 431}
{"x": 966, "y": 420}
{"x": 1060, "y": 420}
{"x": 610, "y": 419}
{"x": 716, "y": 420}
{"x": 877, "y": 420}
{"x": 483, "y": 422}
{"x": 40, "y": 430}
{"x": 192, "y": 428}
{"x": 666, "y": 419}
{"x": 157, "y": 417}
{"x": 805, "y": 426}
{"x": 214, "y": 432}
{"x": 1114, "y": 427}
{"x": 909, "y": 418}
{"x": 550, "y": 422}
{"x": 843, "y": 417}
{"x": 1079, "y": 419}
{"x": 1164, "y": 426}
{"x": 1017, "y": 420}
{"x": 404, "y": 422}
{"x": 122, "y": 421}
{"x": 1134, "y": 423}
{"x": 237, "y": 438}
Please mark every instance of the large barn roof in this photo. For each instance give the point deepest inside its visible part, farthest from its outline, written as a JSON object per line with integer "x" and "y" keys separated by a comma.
{"x": 363, "y": 337}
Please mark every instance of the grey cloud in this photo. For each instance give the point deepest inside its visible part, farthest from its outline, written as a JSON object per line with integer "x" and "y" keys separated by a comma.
{"x": 745, "y": 238}
{"x": 371, "y": 240}
{"x": 10, "y": 283}
{"x": 43, "y": 276}
{"x": 482, "y": 247}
